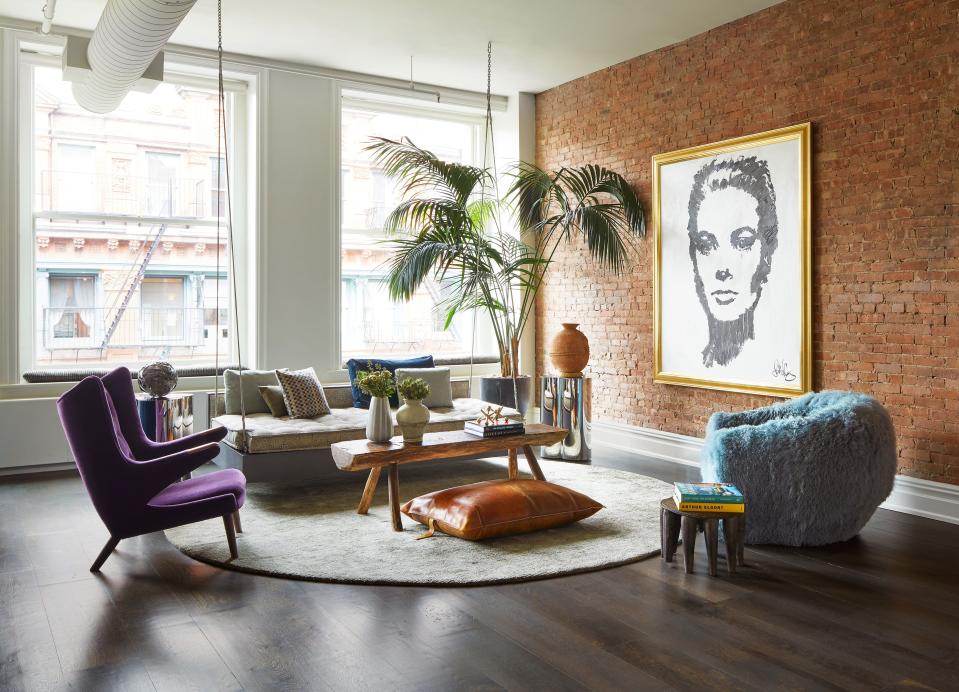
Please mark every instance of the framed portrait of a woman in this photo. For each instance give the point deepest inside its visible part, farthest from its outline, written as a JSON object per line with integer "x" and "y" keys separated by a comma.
{"x": 733, "y": 297}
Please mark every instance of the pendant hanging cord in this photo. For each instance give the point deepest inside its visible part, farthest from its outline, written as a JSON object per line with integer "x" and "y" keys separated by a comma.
{"x": 491, "y": 140}
{"x": 216, "y": 317}
{"x": 224, "y": 162}
{"x": 487, "y": 144}
{"x": 489, "y": 107}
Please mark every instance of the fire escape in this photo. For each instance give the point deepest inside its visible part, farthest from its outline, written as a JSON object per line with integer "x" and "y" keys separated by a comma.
{"x": 132, "y": 288}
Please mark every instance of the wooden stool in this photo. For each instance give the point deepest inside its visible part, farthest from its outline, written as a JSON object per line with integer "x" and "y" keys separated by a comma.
{"x": 734, "y": 528}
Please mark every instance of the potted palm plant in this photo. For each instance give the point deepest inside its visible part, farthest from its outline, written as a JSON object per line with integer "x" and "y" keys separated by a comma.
{"x": 451, "y": 227}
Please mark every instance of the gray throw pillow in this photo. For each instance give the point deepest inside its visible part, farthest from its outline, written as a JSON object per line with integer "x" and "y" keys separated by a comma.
{"x": 252, "y": 379}
{"x": 303, "y": 393}
{"x": 273, "y": 396}
{"x": 441, "y": 391}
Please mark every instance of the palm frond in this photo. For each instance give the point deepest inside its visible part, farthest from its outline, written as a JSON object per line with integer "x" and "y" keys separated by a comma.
{"x": 417, "y": 214}
{"x": 419, "y": 170}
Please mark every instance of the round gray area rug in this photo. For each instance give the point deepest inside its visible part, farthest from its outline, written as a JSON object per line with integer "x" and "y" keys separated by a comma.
{"x": 313, "y": 532}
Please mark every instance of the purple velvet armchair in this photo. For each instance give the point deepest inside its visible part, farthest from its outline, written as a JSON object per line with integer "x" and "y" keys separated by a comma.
{"x": 134, "y": 482}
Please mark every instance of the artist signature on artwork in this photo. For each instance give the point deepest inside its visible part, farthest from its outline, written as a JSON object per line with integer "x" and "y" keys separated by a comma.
{"x": 781, "y": 369}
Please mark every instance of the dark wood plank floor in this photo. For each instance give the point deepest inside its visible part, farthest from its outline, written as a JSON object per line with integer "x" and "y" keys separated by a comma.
{"x": 878, "y": 612}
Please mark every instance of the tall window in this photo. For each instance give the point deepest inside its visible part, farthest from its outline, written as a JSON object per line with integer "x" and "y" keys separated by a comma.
{"x": 162, "y": 180}
{"x": 70, "y": 316}
{"x": 124, "y": 235}
{"x": 76, "y": 177}
{"x": 162, "y": 308}
{"x": 371, "y": 323}
{"x": 217, "y": 186}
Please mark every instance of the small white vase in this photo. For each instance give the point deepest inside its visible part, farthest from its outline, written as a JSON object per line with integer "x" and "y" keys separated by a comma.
{"x": 379, "y": 424}
{"x": 412, "y": 418}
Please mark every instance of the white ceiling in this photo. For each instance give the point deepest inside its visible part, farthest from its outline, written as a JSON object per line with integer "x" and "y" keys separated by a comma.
{"x": 537, "y": 44}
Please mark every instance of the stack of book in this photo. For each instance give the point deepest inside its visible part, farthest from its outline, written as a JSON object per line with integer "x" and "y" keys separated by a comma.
{"x": 494, "y": 429}
{"x": 708, "y": 497}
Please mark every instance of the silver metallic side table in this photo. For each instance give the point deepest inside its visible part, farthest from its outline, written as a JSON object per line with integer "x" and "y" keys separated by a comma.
{"x": 566, "y": 402}
{"x": 166, "y": 418}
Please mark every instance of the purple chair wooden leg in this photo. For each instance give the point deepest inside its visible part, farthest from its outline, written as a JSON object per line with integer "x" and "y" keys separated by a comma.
{"x": 230, "y": 535}
{"x": 104, "y": 554}
{"x": 236, "y": 522}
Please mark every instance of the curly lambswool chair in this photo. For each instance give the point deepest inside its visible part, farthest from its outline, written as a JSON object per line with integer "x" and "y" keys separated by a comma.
{"x": 813, "y": 470}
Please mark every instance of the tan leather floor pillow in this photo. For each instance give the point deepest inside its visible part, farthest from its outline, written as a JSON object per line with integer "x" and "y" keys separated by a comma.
{"x": 500, "y": 508}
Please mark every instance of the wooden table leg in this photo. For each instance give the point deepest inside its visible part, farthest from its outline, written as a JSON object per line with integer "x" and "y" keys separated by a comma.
{"x": 673, "y": 523}
{"x": 741, "y": 540}
{"x": 369, "y": 490}
{"x": 689, "y": 542}
{"x": 513, "y": 466}
{"x": 533, "y": 464}
{"x": 712, "y": 543}
{"x": 731, "y": 538}
{"x": 662, "y": 533}
{"x": 394, "y": 487}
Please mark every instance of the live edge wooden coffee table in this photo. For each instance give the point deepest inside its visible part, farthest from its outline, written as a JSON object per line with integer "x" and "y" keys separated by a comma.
{"x": 363, "y": 455}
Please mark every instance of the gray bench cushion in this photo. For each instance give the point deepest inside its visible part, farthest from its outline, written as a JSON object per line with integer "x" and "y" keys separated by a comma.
{"x": 264, "y": 433}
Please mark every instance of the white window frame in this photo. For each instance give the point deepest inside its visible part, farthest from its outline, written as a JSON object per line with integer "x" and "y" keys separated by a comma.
{"x": 355, "y": 96}
{"x": 23, "y": 52}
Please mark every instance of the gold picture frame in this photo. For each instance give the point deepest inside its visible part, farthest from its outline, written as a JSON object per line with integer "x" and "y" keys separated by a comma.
{"x": 674, "y": 167}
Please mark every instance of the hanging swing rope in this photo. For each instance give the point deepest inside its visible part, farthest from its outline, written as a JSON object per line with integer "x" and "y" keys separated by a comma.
{"x": 223, "y": 161}
{"x": 489, "y": 148}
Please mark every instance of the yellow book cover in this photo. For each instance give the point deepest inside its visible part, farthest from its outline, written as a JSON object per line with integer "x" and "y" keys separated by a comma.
{"x": 727, "y": 508}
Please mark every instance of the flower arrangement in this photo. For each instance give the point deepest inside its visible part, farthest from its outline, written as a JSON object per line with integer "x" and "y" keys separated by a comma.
{"x": 413, "y": 389}
{"x": 377, "y": 381}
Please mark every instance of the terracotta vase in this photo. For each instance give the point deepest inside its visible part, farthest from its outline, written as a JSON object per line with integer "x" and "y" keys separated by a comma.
{"x": 569, "y": 351}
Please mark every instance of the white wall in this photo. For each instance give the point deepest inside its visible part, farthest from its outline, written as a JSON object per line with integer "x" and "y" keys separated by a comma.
{"x": 294, "y": 287}
{"x": 298, "y": 271}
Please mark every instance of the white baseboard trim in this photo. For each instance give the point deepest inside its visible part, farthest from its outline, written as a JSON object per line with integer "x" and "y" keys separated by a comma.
{"x": 939, "y": 501}
{"x": 924, "y": 498}
{"x": 37, "y": 468}
{"x": 647, "y": 442}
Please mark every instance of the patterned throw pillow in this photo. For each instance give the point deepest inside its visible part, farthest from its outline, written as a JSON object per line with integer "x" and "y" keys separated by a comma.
{"x": 303, "y": 393}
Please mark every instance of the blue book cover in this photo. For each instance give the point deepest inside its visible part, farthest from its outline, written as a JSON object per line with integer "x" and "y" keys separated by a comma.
{"x": 707, "y": 492}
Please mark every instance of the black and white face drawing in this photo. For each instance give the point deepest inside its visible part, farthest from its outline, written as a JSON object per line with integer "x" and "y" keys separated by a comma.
{"x": 733, "y": 232}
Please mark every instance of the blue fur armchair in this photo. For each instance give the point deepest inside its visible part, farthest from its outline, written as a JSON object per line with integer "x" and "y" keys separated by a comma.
{"x": 813, "y": 470}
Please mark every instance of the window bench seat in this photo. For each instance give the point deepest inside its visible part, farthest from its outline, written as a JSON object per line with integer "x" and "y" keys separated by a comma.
{"x": 298, "y": 448}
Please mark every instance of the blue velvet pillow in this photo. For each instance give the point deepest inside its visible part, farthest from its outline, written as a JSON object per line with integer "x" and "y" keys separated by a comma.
{"x": 355, "y": 365}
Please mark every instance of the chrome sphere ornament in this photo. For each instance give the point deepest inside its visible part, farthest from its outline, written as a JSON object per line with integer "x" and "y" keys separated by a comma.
{"x": 157, "y": 379}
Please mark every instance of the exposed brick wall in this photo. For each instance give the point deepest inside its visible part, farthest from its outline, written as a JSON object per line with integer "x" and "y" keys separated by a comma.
{"x": 880, "y": 83}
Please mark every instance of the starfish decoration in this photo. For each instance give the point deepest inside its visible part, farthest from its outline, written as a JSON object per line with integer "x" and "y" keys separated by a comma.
{"x": 490, "y": 416}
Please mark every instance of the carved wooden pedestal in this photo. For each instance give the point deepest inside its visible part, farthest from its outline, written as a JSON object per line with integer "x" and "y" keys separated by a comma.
{"x": 671, "y": 521}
